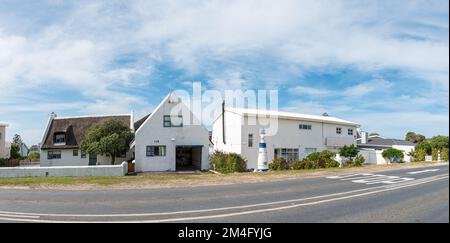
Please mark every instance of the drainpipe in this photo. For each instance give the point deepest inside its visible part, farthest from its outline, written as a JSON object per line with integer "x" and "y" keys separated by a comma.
{"x": 223, "y": 123}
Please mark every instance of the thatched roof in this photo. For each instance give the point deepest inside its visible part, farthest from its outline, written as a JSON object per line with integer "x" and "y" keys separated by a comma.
{"x": 75, "y": 129}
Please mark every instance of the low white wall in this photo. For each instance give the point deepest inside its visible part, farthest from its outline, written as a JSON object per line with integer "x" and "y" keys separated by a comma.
{"x": 99, "y": 170}
{"x": 373, "y": 156}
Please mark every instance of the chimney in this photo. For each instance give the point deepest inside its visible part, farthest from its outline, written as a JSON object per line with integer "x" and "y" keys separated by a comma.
{"x": 132, "y": 120}
{"x": 52, "y": 115}
{"x": 364, "y": 137}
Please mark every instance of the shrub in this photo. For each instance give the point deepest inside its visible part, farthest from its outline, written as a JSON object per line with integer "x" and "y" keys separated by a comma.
{"x": 323, "y": 159}
{"x": 444, "y": 154}
{"x": 349, "y": 151}
{"x": 279, "y": 164}
{"x": 391, "y": 153}
{"x": 358, "y": 161}
{"x": 228, "y": 162}
{"x": 418, "y": 155}
{"x": 424, "y": 146}
{"x": 34, "y": 156}
{"x": 435, "y": 154}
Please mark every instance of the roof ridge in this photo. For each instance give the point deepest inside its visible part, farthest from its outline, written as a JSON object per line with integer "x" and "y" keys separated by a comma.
{"x": 89, "y": 116}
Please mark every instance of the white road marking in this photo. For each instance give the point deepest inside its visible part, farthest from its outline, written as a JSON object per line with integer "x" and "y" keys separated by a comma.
{"x": 371, "y": 179}
{"x": 19, "y": 216}
{"x": 386, "y": 188}
{"x": 422, "y": 171}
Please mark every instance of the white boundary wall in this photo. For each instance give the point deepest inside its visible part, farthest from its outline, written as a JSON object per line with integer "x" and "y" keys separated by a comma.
{"x": 99, "y": 170}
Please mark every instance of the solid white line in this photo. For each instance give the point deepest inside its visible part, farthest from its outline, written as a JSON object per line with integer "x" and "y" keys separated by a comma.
{"x": 19, "y": 216}
{"x": 193, "y": 211}
{"x": 422, "y": 171}
{"x": 241, "y": 213}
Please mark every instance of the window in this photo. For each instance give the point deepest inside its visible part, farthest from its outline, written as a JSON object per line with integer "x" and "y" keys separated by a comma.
{"x": 250, "y": 140}
{"x": 83, "y": 155}
{"x": 156, "y": 151}
{"x": 304, "y": 127}
{"x": 309, "y": 151}
{"x": 350, "y": 132}
{"x": 75, "y": 152}
{"x": 59, "y": 138}
{"x": 173, "y": 121}
{"x": 338, "y": 130}
{"x": 287, "y": 154}
{"x": 54, "y": 155}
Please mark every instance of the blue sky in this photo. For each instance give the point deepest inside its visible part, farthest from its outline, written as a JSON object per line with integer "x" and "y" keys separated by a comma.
{"x": 383, "y": 64}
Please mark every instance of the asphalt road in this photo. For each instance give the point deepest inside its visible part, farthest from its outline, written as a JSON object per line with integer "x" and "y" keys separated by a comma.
{"x": 407, "y": 195}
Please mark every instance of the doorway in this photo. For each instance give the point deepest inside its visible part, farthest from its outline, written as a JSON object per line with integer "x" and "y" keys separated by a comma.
{"x": 92, "y": 159}
{"x": 188, "y": 158}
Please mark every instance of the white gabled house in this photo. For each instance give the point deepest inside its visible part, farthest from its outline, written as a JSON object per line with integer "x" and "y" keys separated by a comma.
{"x": 171, "y": 139}
{"x": 60, "y": 145}
{"x": 293, "y": 137}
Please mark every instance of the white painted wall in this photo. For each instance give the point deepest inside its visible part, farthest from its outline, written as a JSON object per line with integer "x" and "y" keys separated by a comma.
{"x": 406, "y": 150}
{"x": 67, "y": 159}
{"x": 153, "y": 133}
{"x": 103, "y": 170}
{"x": 4, "y": 153}
{"x": 373, "y": 156}
{"x": 288, "y": 135}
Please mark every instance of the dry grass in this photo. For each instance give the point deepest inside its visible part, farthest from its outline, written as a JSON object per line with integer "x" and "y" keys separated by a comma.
{"x": 167, "y": 180}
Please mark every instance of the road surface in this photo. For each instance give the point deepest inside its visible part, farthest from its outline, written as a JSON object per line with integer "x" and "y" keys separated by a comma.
{"x": 405, "y": 195}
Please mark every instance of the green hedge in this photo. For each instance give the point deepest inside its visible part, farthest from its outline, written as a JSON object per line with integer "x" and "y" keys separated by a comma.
{"x": 228, "y": 162}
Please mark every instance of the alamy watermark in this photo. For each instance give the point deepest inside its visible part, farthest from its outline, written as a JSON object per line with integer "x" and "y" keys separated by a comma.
{"x": 258, "y": 106}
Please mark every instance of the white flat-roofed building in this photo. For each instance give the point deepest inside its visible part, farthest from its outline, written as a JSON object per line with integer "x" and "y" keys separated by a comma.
{"x": 289, "y": 135}
{"x": 4, "y": 146}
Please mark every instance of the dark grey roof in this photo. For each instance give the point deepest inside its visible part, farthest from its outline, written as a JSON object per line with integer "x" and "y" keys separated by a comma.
{"x": 377, "y": 141}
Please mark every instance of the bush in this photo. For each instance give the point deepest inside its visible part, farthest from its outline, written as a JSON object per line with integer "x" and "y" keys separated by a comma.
{"x": 358, "y": 161}
{"x": 34, "y": 156}
{"x": 435, "y": 154}
{"x": 228, "y": 162}
{"x": 304, "y": 165}
{"x": 391, "y": 153}
{"x": 279, "y": 164}
{"x": 424, "y": 146}
{"x": 444, "y": 154}
{"x": 349, "y": 151}
{"x": 418, "y": 155}
{"x": 323, "y": 159}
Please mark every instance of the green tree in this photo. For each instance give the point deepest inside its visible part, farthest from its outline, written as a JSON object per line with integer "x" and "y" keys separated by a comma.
{"x": 15, "y": 151}
{"x": 374, "y": 134}
{"x": 391, "y": 153}
{"x": 414, "y": 138}
{"x": 34, "y": 156}
{"x": 439, "y": 142}
{"x": 424, "y": 146}
{"x": 110, "y": 137}
{"x": 17, "y": 139}
{"x": 349, "y": 151}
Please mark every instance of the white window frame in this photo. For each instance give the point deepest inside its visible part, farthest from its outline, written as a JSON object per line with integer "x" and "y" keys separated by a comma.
{"x": 150, "y": 151}
{"x": 339, "y": 130}
{"x": 350, "y": 131}
{"x": 250, "y": 140}
{"x": 289, "y": 154}
{"x": 53, "y": 154}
